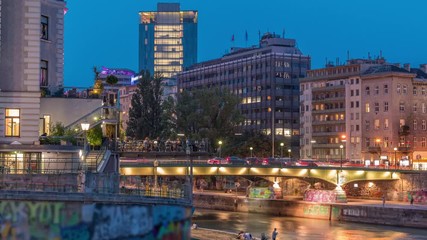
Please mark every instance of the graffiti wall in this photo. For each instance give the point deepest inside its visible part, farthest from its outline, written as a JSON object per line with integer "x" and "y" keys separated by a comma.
{"x": 324, "y": 196}
{"x": 77, "y": 221}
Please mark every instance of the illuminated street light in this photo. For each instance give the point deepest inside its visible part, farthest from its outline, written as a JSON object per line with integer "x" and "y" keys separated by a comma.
{"x": 281, "y": 149}
{"x": 341, "y": 150}
{"x": 251, "y": 148}
{"x": 220, "y": 147}
{"x": 85, "y": 127}
{"x": 395, "y": 158}
{"x": 289, "y": 153}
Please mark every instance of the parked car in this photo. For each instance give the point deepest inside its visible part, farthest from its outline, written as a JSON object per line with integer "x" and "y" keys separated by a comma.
{"x": 253, "y": 161}
{"x": 233, "y": 160}
{"x": 216, "y": 160}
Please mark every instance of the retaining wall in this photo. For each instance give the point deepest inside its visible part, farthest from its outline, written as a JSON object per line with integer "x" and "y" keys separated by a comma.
{"x": 404, "y": 217}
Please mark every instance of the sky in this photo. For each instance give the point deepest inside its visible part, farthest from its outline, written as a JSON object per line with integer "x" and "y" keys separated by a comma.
{"x": 105, "y": 32}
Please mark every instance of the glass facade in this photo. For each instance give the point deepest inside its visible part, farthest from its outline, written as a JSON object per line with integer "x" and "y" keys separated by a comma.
{"x": 167, "y": 40}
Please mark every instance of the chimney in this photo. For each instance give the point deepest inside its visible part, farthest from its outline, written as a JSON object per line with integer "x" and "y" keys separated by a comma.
{"x": 423, "y": 67}
{"x": 407, "y": 67}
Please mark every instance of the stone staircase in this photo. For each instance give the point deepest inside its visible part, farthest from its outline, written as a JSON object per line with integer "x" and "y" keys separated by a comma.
{"x": 341, "y": 196}
{"x": 93, "y": 158}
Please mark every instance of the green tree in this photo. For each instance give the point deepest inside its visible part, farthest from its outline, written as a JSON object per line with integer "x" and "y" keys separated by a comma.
{"x": 208, "y": 113}
{"x": 111, "y": 80}
{"x": 94, "y": 136}
{"x": 145, "y": 115}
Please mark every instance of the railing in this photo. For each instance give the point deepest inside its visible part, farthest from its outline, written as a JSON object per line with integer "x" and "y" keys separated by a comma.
{"x": 40, "y": 166}
{"x": 161, "y": 146}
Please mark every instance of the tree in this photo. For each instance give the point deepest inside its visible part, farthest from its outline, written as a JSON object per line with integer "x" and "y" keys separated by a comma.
{"x": 145, "y": 115}
{"x": 111, "y": 80}
{"x": 94, "y": 136}
{"x": 208, "y": 113}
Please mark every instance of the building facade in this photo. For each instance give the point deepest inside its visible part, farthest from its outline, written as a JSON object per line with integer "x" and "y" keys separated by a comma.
{"x": 366, "y": 110}
{"x": 266, "y": 78}
{"x": 167, "y": 39}
{"x": 31, "y": 62}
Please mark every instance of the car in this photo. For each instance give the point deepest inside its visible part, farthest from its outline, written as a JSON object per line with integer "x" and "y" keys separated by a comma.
{"x": 307, "y": 163}
{"x": 253, "y": 161}
{"x": 233, "y": 160}
{"x": 277, "y": 161}
{"x": 216, "y": 160}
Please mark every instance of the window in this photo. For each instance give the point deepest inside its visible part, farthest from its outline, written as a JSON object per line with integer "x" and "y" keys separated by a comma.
{"x": 368, "y": 142}
{"x": 423, "y": 142}
{"x": 401, "y": 122}
{"x": 415, "y": 107}
{"x": 385, "y": 106}
{"x": 415, "y": 124}
{"x": 404, "y": 89}
{"x": 351, "y": 116}
{"x": 415, "y": 141}
{"x": 357, "y": 104}
{"x": 415, "y": 90}
{"x": 44, "y": 28}
{"x": 357, "y": 116}
{"x": 398, "y": 88}
{"x": 357, "y": 92}
{"x": 367, "y": 124}
{"x": 43, "y": 73}
{"x": 377, "y": 107}
{"x": 423, "y": 107}
{"x": 12, "y": 122}
{"x": 423, "y": 124}
{"x": 357, "y": 127}
{"x": 386, "y": 123}
{"x": 386, "y": 88}
{"x": 401, "y": 106}
{"x": 377, "y": 124}
{"x": 367, "y": 90}
{"x": 423, "y": 91}
{"x": 351, "y": 104}
{"x": 377, "y": 90}
{"x": 367, "y": 109}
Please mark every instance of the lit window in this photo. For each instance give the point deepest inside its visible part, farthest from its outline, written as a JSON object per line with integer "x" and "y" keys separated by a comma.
{"x": 367, "y": 108}
{"x": 12, "y": 122}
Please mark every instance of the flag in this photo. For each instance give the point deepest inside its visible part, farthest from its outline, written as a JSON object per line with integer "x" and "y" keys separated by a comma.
{"x": 246, "y": 35}
{"x": 232, "y": 38}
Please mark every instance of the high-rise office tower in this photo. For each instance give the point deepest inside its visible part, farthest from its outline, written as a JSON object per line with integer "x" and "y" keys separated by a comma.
{"x": 167, "y": 39}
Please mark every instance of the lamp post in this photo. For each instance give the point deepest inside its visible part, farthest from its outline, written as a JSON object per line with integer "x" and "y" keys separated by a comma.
{"x": 251, "y": 148}
{"x": 220, "y": 147}
{"x": 281, "y": 149}
{"x": 395, "y": 158}
{"x": 289, "y": 153}
{"x": 85, "y": 127}
{"x": 341, "y": 150}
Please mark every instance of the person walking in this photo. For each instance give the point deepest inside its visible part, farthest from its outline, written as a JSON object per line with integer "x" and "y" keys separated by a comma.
{"x": 274, "y": 234}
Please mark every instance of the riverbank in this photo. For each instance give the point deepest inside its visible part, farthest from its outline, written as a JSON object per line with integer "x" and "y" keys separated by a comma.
{"x": 359, "y": 211}
{"x": 210, "y": 234}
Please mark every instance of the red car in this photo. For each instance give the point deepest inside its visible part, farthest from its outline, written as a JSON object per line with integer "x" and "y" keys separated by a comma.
{"x": 216, "y": 160}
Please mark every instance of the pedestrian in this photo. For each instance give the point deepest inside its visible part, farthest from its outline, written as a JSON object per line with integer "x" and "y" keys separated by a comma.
{"x": 411, "y": 199}
{"x": 274, "y": 234}
{"x": 383, "y": 199}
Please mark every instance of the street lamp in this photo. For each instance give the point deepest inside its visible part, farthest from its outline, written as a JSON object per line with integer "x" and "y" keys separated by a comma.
{"x": 341, "y": 150}
{"x": 220, "y": 146}
{"x": 395, "y": 158}
{"x": 289, "y": 153}
{"x": 251, "y": 148}
{"x": 85, "y": 127}
{"x": 281, "y": 149}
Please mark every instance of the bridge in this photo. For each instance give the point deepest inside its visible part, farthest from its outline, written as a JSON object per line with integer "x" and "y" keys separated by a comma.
{"x": 333, "y": 175}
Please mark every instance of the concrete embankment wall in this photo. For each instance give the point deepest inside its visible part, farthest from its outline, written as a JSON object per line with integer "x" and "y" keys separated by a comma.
{"x": 63, "y": 216}
{"x": 405, "y": 217}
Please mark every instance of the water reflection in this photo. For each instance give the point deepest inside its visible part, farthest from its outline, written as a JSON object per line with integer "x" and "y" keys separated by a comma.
{"x": 300, "y": 228}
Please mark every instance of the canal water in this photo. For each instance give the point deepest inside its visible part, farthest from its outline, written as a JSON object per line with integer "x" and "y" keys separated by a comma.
{"x": 300, "y": 228}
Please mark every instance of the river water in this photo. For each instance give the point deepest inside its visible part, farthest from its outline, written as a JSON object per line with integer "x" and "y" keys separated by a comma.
{"x": 300, "y": 228}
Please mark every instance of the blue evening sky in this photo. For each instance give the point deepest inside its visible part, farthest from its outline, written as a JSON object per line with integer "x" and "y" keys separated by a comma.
{"x": 105, "y": 32}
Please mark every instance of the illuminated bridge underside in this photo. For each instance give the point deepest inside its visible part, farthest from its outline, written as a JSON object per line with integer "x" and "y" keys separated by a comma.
{"x": 327, "y": 174}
